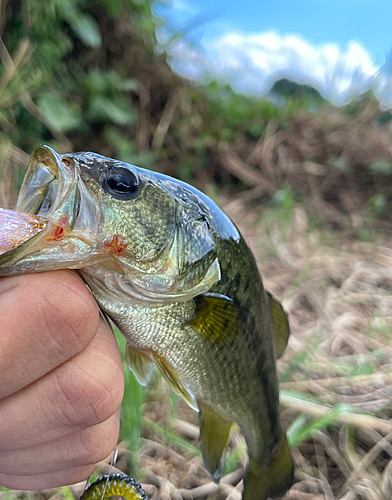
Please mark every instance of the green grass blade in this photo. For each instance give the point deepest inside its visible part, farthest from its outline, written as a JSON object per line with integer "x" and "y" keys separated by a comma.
{"x": 131, "y": 408}
{"x": 171, "y": 438}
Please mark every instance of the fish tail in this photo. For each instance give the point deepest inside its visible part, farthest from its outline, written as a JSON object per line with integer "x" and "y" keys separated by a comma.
{"x": 270, "y": 479}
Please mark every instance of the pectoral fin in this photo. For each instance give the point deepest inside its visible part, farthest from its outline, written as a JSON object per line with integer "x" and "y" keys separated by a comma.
{"x": 141, "y": 364}
{"x": 173, "y": 380}
{"x": 281, "y": 325}
{"x": 214, "y": 434}
{"x": 217, "y": 318}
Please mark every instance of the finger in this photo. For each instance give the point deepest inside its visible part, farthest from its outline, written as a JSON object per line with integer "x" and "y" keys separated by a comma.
{"x": 85, "y": 447}
{"x": 47, "y": 480}
{"x": 46, "y": 319}
{"x": 82, "y": 392}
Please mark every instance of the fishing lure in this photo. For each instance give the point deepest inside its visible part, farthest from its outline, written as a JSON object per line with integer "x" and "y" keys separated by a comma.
{"x": 114, "y": 484}
{"x": 18, "y": 227}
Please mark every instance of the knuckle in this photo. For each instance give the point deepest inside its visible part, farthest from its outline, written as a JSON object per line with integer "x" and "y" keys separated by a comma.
{"x": 110, "y": 393}
{"x": 90, "y": 397}
{"x": 99, "y": 444}
{"x": 76, "y": 308}
{"x": 45, "y": 481}
{"x": 69, "y": 312}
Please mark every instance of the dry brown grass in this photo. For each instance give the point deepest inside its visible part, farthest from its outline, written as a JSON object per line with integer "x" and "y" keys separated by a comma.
{"x": 329, "y": 158}
{"x": 337, "y": 291}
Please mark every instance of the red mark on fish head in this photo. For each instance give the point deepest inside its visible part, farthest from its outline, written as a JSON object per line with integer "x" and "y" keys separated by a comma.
{"x": 116, "y": 244}
{"x": 66, "y": 164}
{"x": 59, "y": 229}
{"x": 58, "y": 233}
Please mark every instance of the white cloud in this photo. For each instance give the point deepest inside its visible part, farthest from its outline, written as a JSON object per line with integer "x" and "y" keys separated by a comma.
{"x": 251, "y": 62}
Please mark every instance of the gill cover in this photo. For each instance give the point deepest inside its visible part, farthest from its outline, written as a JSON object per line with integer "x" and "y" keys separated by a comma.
{"x": 188, "y": 265}
{"x": 193, "y": 251}
{"x": 190, "y": 268}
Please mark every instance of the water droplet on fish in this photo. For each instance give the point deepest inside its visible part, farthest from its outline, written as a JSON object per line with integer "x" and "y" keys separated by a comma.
{"x": 18, "y": 227}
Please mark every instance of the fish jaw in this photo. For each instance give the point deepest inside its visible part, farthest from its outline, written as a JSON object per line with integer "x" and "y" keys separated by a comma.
{"x": 55, "y": 195}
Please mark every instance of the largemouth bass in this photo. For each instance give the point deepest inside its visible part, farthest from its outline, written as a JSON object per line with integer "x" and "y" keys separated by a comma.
{"x": 171, "y": 270}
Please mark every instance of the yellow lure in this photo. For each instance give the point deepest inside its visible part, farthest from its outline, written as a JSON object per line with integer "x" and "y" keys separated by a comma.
{"x": 114, "y": 484}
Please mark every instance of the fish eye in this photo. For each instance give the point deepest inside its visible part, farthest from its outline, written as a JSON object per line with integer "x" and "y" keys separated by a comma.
{"x": 120, "y": 182}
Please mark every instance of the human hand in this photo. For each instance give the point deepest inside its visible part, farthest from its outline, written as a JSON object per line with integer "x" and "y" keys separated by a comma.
{"x": 61, "y": 382}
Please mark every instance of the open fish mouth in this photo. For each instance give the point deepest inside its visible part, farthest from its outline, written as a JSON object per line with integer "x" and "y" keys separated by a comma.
{"x": 50, "y": 189}
{"x": 53, "y": 188}
{"x": 37, "y": 198}
{"x": 67, "y": 213}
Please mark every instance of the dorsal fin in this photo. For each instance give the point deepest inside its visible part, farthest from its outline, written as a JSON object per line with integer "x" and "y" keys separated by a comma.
{"x": 281, "y": 325}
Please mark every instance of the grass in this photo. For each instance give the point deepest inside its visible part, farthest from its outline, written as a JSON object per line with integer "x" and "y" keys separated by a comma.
{"x": 171, "y": 439}
{"x": 335, "y": 375}
{"x": 131, "y": 409}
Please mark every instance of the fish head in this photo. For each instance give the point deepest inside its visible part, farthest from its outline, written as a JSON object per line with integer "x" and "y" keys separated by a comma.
{"x": 126, "y": 229}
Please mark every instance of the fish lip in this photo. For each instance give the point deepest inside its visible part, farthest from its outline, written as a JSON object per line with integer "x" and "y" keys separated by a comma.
{"x": 50, "y": 188}
{"x": 43, "y": 169}
{"x": 43, "y": 181}
{"x": 49, "y": 181}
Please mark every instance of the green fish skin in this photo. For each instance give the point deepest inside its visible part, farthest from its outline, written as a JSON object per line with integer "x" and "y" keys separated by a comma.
{"x": 171, "y": 270}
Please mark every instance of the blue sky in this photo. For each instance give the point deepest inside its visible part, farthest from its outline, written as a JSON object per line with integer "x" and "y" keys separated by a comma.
{"x": 320, "y": 21}
{"x": 339, "y": 43}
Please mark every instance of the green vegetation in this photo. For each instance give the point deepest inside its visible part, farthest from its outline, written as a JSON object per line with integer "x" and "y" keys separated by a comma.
{"x": 131, "y": 410}
{"x": 84, "y": 74}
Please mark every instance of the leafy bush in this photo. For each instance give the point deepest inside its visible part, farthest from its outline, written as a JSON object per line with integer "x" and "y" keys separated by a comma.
{"x": 86, "y": 74}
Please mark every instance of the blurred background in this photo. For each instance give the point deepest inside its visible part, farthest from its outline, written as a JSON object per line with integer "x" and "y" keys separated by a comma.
{"x": 281, "y": 114}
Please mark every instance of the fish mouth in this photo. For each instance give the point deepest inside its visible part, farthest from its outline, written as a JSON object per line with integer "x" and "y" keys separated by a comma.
{"x": 48, "y": 182}
{"x": 53, "y": 189}
{"x": 54, "y": 192}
